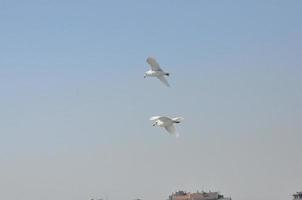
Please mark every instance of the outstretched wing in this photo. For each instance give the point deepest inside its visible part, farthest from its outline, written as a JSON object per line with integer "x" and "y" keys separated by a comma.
{"x": 153, "y": 64}
{"x": 171, "y": 129}
{"x": 161, "y": 118}
{"x": 177, "y": 119}
{"x": 155, "y": 118}
{"x": 165, "y": 119}
{"x": 163, "y": 80}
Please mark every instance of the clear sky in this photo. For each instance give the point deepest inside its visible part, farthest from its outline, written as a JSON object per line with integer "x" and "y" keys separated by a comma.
{"x": 75, "y": 106}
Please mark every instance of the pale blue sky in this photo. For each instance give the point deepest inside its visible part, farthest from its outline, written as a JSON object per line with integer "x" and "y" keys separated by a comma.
{"x": 75, "y": 106}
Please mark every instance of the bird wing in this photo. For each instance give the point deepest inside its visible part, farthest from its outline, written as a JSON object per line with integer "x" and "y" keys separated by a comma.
{"x": 171, "y": 129}
{"x": 163, "y": 80}
{"x": 155, "y": 118}
{"x": 177, "y": 119}
{"x": 153, "y": 64}
{"x": 161, "y": 118}
{"x": 165, "y": 119}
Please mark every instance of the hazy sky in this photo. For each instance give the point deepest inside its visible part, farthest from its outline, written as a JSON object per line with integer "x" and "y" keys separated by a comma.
{"x": 75, "y": 106}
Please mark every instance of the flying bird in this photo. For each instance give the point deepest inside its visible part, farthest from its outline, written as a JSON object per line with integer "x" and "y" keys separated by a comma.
{"x": 156, "y": 71}
{"x": 167, "y": 123}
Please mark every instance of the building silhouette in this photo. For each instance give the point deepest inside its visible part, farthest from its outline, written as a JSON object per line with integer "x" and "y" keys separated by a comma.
{"x": 181, "y": 195}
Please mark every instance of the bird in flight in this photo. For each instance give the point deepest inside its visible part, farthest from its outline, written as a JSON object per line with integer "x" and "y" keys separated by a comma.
{"x": 167, "y": 123}
{"x": 156, "y": 71}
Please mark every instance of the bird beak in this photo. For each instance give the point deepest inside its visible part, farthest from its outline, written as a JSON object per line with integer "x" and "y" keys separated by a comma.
{"x": 144, "y": 76}
{"x": 154, "y": 124}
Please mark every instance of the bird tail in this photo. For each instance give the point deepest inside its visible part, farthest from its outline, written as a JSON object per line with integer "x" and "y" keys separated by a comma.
{"x": 177, "y": 119}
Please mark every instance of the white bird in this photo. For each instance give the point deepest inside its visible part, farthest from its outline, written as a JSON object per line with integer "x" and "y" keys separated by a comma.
{"x": 167, "y": 123}
{"x": 156, "y": 71}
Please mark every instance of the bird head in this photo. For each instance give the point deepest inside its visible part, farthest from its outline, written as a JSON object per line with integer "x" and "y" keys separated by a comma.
{"x": 155, "y": 123}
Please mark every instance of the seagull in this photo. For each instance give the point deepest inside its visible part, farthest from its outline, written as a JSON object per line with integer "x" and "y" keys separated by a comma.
{"x": 156, "y": 71}
{"x": 167, "y": 123}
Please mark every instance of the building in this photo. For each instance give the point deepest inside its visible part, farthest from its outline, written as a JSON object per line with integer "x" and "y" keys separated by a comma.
{"x": 297, "y": 196}
{"x": 181, "y": 195}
